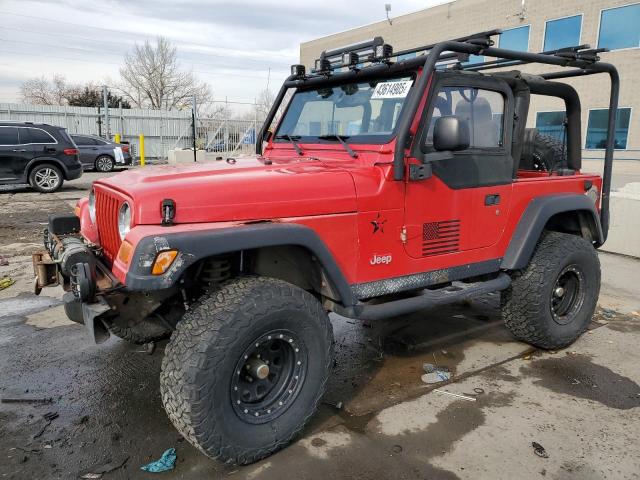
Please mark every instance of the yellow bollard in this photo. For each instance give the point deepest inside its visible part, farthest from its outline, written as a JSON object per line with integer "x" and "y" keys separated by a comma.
{"x": 142, "y": 150}
{"x": 116, "y": 138}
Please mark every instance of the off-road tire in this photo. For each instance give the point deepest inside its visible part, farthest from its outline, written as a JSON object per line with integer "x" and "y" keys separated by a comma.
{"x": 542, "y": 152}
{"x": 145, "y": 331}
{"x": 527, "y": 305}
{"x": 39, "y": 184}
{"x": 201, "y": 359}
{"x": 104, "y": 163}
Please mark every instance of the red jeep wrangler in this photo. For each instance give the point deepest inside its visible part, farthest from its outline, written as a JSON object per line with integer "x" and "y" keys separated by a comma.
{"x": 386, "y": 187}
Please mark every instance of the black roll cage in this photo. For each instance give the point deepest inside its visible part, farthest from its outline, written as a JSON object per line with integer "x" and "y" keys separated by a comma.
{"x": 582, "y": 60}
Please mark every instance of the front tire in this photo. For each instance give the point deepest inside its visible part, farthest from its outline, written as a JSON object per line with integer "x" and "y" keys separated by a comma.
{"x": 46, "y": 178}
{"x": 104, "y": 163}
{"x": 550, "y": 303}
{"x": 246, "y": 368}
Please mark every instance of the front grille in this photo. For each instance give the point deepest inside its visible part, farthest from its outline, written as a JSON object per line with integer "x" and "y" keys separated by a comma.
{"x": 440, "y": 237}
{"x": 107, "y": 205}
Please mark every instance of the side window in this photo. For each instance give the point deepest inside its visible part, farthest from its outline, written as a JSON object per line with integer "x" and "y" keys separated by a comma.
{"x": 38, "y": 136}
{"x": 482, "y": 109}
{"x": 8, "y": 136}
{"x": 80, "y": 140}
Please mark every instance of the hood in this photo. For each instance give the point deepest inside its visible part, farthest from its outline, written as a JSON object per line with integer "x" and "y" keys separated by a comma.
{"x": 246, "y": 190}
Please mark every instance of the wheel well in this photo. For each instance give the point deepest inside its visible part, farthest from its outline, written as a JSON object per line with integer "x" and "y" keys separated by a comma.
{"x": 37, "y": 163}
{"x": 575, "y": 222}
{"x": 291, "y": 263}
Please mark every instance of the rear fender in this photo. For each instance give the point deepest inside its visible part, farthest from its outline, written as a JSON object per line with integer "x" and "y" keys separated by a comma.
{"x": 535, "y": 219}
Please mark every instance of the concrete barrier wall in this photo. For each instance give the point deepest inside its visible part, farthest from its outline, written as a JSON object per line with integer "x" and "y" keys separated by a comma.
{"x": 624, "y": 230}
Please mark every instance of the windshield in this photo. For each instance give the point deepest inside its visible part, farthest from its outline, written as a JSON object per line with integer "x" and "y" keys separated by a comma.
{"x": 364, "y": 112}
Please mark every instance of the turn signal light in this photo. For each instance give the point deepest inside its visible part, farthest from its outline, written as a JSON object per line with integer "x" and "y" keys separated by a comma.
{"x": 124, "y": 254}
{"x": 163, "y": 261}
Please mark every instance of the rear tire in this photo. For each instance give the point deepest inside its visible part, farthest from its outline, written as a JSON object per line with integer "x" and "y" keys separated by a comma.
{"x": 550, "y": 303}
{"x": 207, "y": 387}
{"x": 46, "y": 178}
{"x": 104, "y": 163}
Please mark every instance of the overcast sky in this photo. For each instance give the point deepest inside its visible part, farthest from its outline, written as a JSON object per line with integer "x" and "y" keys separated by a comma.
{"x": 231, "y": 45}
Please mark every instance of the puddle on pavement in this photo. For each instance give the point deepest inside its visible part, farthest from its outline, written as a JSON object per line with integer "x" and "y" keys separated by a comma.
{"x": 381, "y": 365}
{"x": 24, "y": 304}
{"x": 578, "y": 376}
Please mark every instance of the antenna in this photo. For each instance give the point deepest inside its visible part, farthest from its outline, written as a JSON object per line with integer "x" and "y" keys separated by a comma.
{"x": 387, "y": 9}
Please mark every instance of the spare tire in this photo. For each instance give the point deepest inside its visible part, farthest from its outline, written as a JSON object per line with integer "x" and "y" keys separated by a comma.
{"x": 542, "y": 152}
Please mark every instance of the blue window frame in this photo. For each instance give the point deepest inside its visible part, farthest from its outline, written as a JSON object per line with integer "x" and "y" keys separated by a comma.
{"x": 619, "y": 27}
{"x": 597, "y": 128}
{"x": 551, "y": 123}
{"x": 563, "y": 32}
{"x": 515, "y": 39}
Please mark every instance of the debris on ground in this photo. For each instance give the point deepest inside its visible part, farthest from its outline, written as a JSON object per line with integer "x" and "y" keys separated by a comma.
{"x": 3, "y": 261}
{"x": 97, "y": 471}
{"x": 26, "y": 399}
{"x": 336, "y": 405}
{"x": 49, "y": 417}
{"x": 6, "y": 282}
{"x": 539, "y": 450}
{"x": 166, "y": 462}
{"x": 435, "y": 374}
{"x": 457, "y": 395}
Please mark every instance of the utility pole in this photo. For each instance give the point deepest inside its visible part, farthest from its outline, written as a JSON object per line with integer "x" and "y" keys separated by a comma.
{"x": 105, "y": 96}
{"x": 193, "y": 122}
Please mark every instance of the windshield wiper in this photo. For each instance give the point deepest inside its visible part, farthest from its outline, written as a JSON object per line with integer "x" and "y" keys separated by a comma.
{"x": 341, "y": 139}
{"x": 291, "y": 139}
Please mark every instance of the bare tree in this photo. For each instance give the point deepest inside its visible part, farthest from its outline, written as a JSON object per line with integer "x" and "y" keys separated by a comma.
{"x": 151, "y": 78}
{"x": 41, "y": 91}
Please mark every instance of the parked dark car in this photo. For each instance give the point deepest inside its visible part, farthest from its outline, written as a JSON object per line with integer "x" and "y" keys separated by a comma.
{"x": 100, "y": 154}
{"x": 39, "y": 154}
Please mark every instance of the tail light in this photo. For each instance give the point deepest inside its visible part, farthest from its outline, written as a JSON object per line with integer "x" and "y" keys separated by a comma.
{"x": 71, "y": 151}
{"x": 125, "y": 148}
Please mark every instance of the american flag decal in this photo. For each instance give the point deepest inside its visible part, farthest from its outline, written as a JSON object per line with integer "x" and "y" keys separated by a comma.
{"x": 440, "y": 237}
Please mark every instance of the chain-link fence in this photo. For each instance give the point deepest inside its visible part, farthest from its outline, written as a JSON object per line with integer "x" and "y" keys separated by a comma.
{"x": 163, "y": 130}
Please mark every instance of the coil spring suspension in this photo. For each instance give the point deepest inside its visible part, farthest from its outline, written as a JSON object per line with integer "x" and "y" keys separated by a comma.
{"x": 216, "y": 270}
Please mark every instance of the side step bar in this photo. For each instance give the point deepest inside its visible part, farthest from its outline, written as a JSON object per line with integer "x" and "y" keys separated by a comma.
{"x": 426, "y": 299}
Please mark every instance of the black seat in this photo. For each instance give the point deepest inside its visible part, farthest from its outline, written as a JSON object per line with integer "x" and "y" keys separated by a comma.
{"x": 483, "y": 128}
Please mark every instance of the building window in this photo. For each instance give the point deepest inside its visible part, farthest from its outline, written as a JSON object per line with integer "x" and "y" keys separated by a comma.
{"x": 551, "y": 123}
{"x": 619, "y": 27}
{"x": 515, "y": 39}
{"x": 563, "y": 32}
{"x": 406, "y": 56}
{"x": 474, "y": 60}
{"x": 597, "y": 128}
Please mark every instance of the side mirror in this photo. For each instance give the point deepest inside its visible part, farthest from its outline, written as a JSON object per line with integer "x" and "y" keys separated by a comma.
{"x": 451, "y": 134}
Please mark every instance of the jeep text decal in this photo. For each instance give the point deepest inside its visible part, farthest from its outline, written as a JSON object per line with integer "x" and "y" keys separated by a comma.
{"x": 380, "y": 259}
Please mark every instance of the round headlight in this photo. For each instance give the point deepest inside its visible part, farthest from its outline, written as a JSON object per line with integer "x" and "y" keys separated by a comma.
{"x": 92, "y": 206}
{"x": 124, "y": 220}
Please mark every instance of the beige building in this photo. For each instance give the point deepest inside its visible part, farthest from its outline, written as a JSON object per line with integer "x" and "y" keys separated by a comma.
{"x": 534, "y": 26}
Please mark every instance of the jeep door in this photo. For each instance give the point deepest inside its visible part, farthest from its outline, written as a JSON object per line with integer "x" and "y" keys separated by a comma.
{"x": 463, "y": 205}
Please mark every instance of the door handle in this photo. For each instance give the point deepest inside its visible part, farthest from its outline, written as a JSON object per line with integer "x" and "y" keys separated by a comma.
{"x": 492, "y": 199}
{"x": 94, "y": 148}
{"x": 19, "y": 149}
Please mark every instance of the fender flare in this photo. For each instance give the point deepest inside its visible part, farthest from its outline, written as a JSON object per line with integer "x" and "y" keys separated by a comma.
{"x": 38, "y": 160}
{"x": 196, "y": 245}
{"x": 535, "y": 217}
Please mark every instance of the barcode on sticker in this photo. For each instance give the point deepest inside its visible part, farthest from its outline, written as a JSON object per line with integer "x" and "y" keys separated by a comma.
{"x": 398, "y": 89}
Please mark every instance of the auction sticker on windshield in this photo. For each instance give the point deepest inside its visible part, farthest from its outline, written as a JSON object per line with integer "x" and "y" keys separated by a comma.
{"x": 398, "y": 89}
